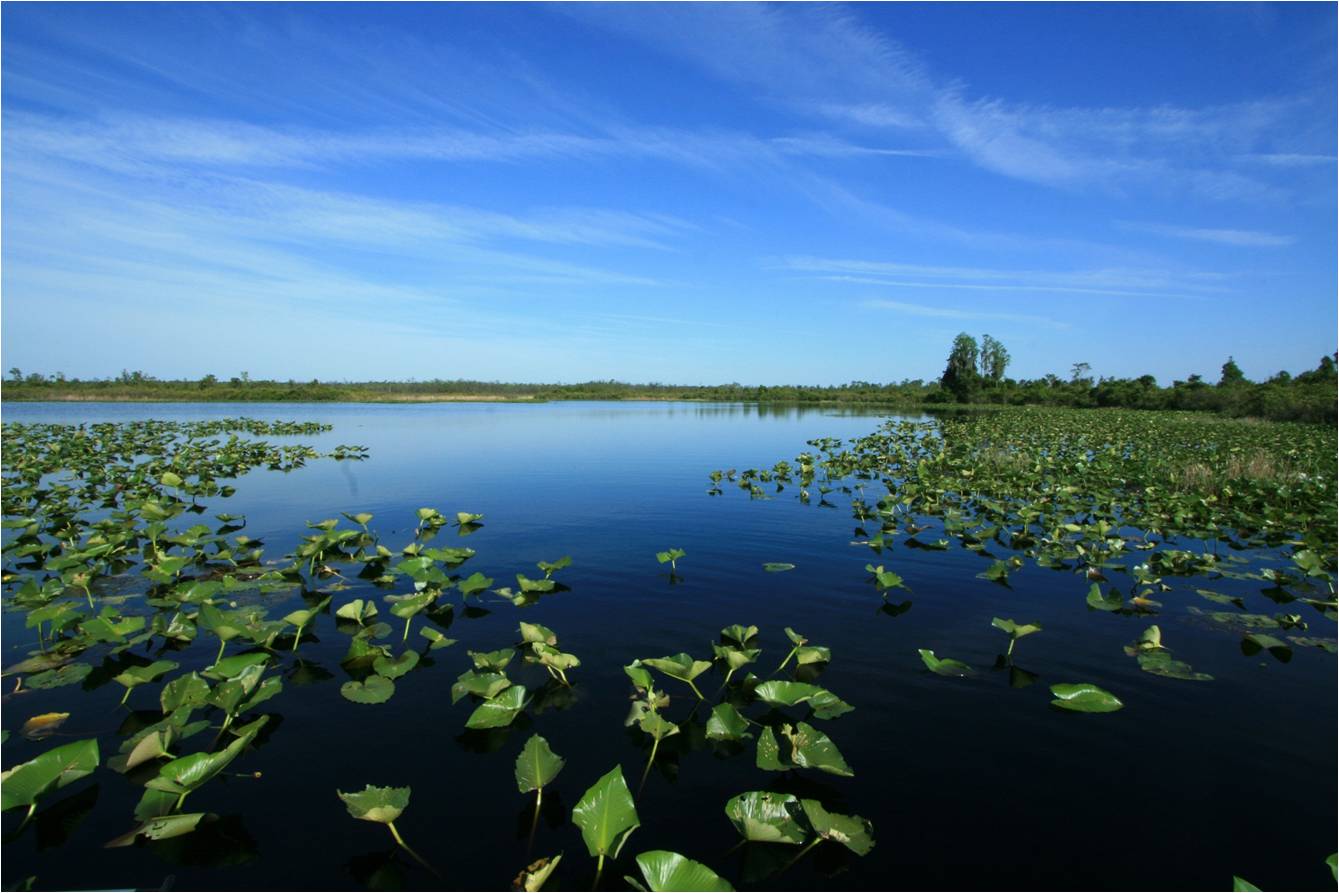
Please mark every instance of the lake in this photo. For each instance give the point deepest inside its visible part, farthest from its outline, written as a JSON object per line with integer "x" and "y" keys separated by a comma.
{"x": 970, "y": 783}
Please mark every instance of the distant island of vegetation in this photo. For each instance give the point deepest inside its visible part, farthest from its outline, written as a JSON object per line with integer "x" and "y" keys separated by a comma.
{"x": 973, "y": 376}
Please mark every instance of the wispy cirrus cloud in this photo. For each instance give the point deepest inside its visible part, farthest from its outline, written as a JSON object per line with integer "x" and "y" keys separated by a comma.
{"x": 940, "y": 312}
{"x": 825, "y": 61}
{"x": 1238, "y": 238}
{"x": 1116, "y": 282}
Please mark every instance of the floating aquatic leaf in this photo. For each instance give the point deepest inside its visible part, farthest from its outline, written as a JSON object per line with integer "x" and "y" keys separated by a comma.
{"x": 485, "y": 684}
{"x": 70, "y": 674}
{"x": 1241, "y": 885}
{"x": 1160, "y": 663}
{"x": 670, "y": 557}
{"x": 804, "y": 747}
{"x": 373, "y": 804}
{"x": 475, "y": 582}
{"x": 606, "y": 816}
{"x": 666, "y": 872}
{"x": 537, "y": 765}
{"x": 135, "y": 676}
{"x": 1111, "y": 601}
{"x": 372, "y": 690}
{"x": 26, "y": 783}
{"x": 358, "y": 611}
{"x": 394, "y": 669}
{"x": 492, "y": 660}
{"x": 851, "y": 831}
{"x": 780, "y": 693}
{"x": 435, "y": 639}
{"x": 727, "y": 724}
{"x": 1254, "y": 643}
{"x": 499, "y": 710}
{"x": 1084, "y": 697}
{"x": 679, "y": 666}
{"x": 766, "y": 817}
{"x": 160, "y": 828}
{"x": 946, "y": 666}
{"x": 776, "y": 567}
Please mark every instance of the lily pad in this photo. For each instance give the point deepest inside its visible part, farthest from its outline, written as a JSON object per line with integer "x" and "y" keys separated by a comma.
{"x": 1084, "y": 697}
{"x": 766, "y": 817}
{"x": 946, "y": 666}
{"x": 372, "y": 690}
{"x": 667, "y": 872}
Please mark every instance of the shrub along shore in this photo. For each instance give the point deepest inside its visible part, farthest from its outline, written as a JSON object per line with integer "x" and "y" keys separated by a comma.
{"x": 1309, "y": 397}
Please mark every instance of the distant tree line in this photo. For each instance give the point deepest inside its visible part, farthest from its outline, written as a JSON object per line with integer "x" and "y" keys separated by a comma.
{"x": 973, "y": 375}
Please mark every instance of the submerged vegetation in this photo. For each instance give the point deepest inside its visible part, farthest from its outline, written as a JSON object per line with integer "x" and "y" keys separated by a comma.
{"x": 122, "y": 581}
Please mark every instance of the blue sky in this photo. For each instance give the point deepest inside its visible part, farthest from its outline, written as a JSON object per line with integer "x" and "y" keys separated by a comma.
{"x": 684, "y": 193}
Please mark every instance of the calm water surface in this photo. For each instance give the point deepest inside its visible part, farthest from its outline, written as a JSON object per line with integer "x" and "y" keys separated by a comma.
{"x": 969, "y": 783}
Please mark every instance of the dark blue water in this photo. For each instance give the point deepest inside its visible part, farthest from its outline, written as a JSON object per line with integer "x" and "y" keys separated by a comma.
{"x": 970, "y": 783}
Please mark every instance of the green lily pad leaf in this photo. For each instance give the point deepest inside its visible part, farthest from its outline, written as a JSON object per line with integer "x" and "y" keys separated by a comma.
{"x": 640, "y": 676}
{"x": 1111, "y": 601}
{"x": 776, "y": 567}
{"x": 372, "y": 690}
{"x": 679, "y": 666}
{"x": 780, "y": 693}
{"x": 667, "y": 872}
{"x": 537, "y": 765}
{"x": 1221, "y": 599}
{"x": 406, "y": 606}
{"x": 727, "y": 724}
{"x": 884, "y": 579}
{"x": 26, "y": 783}
{"x": 1254, "y": 643}
{"x": 133, "y": 676}
{"x": 528, "y": 585}
{"x": 475, "y": 582}
{"x": 189, "y": 773}
{"x": 358, "y": 610}
{"x": 1017, "y": 630}
{"x": 740, "y": 635}
{"x": 606, "y": 814}
{"x": 161, "y": 828}
{"x": 232, "y": 667}
{"x": 492, "y": 660}
{"x": 768, "y": 757}
{"x": 1241, "y": 885}
{"x": 766, "y": 817}
{"x": 373, "y": 804}
{"x": 483, "y": 684}
{"x": 70, "y": 674}
{"x": 534, "y": 632}
{"x": 946, "y": 666}
{"x": 184, "y": 691}
{"x": 851, "y": 831}
{"x": 657, "y": 726}
{"x": 1332, "y": 860}
{"x": 435, "y": 639}
{"x": 1084, "y": 697}
{"x": 811, "y": 749}
{"x": 499, "y": 710}
{"x": 1160, "y": 663}
{"x": 394, "y": 669}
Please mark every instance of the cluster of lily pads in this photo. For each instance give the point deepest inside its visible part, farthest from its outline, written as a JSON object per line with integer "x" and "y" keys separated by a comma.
{"x": 1128, "y": 502}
